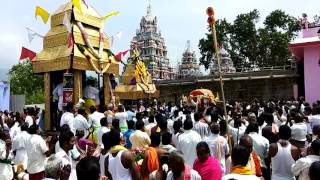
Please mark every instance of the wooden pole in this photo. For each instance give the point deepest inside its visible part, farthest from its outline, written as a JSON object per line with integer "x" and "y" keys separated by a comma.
{"x": 215, "y": 44}
{"x": 77, "y": 86}
{"x": 107, "y": 88}
{"x": 47, "y": 95}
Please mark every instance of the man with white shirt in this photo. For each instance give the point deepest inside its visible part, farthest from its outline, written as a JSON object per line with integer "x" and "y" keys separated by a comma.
{"x": 58, "y": 99}
{"x": 68, "y": 117}
{"x": 218, "y": 146}
{"x": 123, "y": 117}
{"x": 308, "y": 113}
{"x": 30, "y": 116}
{"x": 58, "y": 94}
{"x": 260, "y": 144}
{"x": 19, "y": 145}
{"x": 103, "y": 129}
{"x": 150, "y": 125}
{"x": 6, "y": 170}
{"x": 91, "y": 92}
{"x": 187, "y": 142}
{"x": 140, "y": 138}
{"x": 201, "y": 127}
{"x": 37, "y": 151}
{"x": 75, "y": 154}
{"x": 315, "y": 119}
{"x": 67, "y": 141}
{"x": 16, "y": 128}
{"x": 302, "y": 165}
{"x": 95, "y": 117}
{"x": 238, "y": 130}
{"x": 94, "y": 122}
{"x": 81, "y": 123}
{"x": 299, "y": 131}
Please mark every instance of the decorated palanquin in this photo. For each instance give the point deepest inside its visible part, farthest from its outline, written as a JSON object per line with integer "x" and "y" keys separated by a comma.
{"x": 200, "y": 98}
{"x": 73, "y": 50}
{"x": 136, "y": 82}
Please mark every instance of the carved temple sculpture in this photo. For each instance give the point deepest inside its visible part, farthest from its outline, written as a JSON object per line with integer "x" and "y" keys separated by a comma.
{"x": 82, "y": 47}
{"x": 136, "y": 81}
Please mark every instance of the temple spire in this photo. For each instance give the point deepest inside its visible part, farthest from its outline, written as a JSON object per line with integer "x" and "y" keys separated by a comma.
{"x": 149, "y": 8}
{"x": 188, "y": 49}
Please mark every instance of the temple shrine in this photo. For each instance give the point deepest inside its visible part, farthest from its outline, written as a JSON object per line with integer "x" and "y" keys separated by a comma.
{"x": 226, "y": 63}
{"x": 189, "y": 66}
{"x": 152, "y": 47}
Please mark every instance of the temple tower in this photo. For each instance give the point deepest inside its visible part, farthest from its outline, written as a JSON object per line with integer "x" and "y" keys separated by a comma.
{"x": 152, "y": 47}
{"x": 226, "y": 63}
{"x": 189, "y": 65}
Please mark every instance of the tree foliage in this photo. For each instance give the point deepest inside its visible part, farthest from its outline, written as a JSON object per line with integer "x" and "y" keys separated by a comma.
{"x": 249, "y": 45}
{"x": 23, "y": 81}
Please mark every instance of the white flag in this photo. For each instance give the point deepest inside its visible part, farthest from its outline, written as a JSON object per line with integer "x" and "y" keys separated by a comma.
{"x": 119, "y": 35}
{"x": 111, "y": 41}
{"x": 32, "y": 34}
{"x": 66, "y": 22}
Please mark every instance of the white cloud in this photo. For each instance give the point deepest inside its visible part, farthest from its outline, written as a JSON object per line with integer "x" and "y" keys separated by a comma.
{"x": 10, "y": 44}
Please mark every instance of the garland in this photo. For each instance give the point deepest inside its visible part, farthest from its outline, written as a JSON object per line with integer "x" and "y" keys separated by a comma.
{"x": 87, "y": 40}
{"x": 88, "y": 56}
{"x": 93, "y": 51}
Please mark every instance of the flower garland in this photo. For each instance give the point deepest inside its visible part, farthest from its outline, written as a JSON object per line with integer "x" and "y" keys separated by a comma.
{"x": 88, "y": 56}
{"x": 93, "y": 51}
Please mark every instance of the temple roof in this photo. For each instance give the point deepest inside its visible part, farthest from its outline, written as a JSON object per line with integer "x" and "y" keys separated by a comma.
{"x": 88, "y": 10}
{"x": 57, "y": 52}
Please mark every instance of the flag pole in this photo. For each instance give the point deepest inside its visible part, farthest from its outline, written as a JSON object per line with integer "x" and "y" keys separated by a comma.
{"x": 211, "y": 21}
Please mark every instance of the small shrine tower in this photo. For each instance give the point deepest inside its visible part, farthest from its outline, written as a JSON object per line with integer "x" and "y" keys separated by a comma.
{"x": 226, "y": 63}
{"x": 189, "y": 65}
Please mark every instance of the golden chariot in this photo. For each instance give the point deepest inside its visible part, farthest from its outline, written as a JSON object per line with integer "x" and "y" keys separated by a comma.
{"x": 85, "y": 47}
{"x": 75, "y": 52}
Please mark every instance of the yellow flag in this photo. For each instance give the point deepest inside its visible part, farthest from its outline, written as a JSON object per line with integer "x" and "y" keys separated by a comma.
{"x": 110, "y": 14}
{"x": 77, "y": 4}
{"x": 42, "y": 13}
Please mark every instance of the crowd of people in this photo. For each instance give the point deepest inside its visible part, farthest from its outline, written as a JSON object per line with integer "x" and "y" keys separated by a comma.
{"x": 277, "y": 140}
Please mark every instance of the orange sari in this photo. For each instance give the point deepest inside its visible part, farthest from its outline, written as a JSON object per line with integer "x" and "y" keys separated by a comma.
{"x": 153, "y": 160}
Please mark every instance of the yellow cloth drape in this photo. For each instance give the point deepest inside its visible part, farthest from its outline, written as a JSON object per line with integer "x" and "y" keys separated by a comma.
{"x": 117, "y": 148}
{"x": 244, "y": 170}
{"x": 88, "y": 103}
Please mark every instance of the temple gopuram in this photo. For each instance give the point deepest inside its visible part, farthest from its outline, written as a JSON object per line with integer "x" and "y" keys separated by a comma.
{"x": 226, "y": 63}
{"x": 152, "y": 47}
{"x": 189, "y": 66}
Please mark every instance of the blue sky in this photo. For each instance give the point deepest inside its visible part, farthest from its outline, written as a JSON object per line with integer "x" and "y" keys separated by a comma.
{"x": 179, "y": 20}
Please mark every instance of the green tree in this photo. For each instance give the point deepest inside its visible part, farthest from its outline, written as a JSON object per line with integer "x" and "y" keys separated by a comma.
{"x": 280, "y": 28}
{"x": 249, "y": 45}
{"x": 244, "y": 40}
{"x": 206, "y": 44}
{"x": 23, "y": 81}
